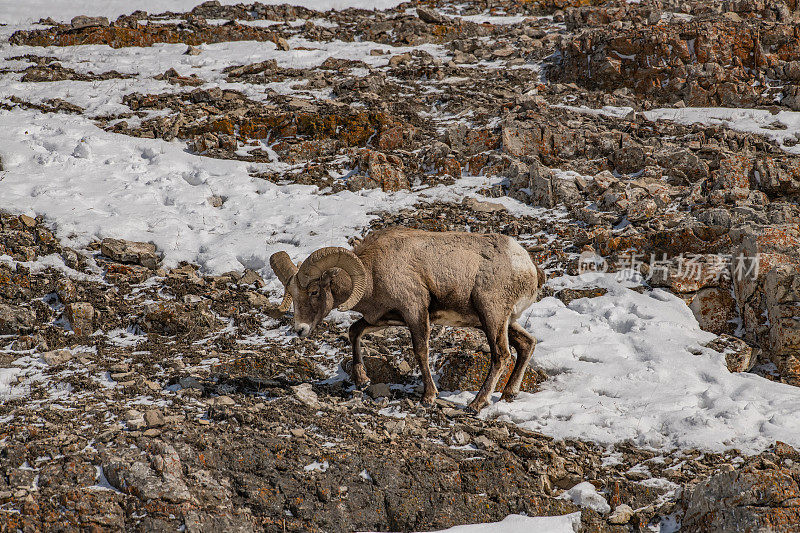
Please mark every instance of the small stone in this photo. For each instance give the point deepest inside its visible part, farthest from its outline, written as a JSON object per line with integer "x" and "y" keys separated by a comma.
{"x": 622, "y": 515}
{"x": 204, "y": 421}
{"x": 251, "y": 277}
{"x": 482, "y": 207}
{"x": 379, "y": 390}
{"x": 786, "y": 450}
{"x": 298, "y": 432}
{"x": 84, "y": 21}
{"x": 152, "y": 432}
{"x": 132, "y": 414}
{"x": 136, "y": 424}
{"x": 306, "y": 395}
{"x": 154, "y": 418}
{"x": 119, "y": 367}
{"x": 81, "y": 317}
{"x": 140, "y": 253}
{"x": 256, "y": 299}
{"x": 27, "y": 221}
{"x": 66, "y": 291}
{"x": 193, "y": 51}
{"x": 57, "y": 357}
{"x": 484, "y": 442}
{"x": 430, "y": 16}
{"x": 221, "y": 401}
{"x": 399, "y": 59}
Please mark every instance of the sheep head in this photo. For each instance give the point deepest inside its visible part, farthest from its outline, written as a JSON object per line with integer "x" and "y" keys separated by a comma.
{"x": 330, "y": 277}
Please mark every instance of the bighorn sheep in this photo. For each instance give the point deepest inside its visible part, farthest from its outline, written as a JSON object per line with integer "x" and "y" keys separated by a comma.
{"x": 412, "y": 278}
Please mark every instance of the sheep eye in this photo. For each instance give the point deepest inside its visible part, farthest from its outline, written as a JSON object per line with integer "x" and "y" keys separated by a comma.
{"x": 314, "y": 293}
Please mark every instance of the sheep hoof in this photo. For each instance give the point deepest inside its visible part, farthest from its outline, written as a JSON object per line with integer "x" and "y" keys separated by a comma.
{"x": 427, "y": 402}
{"x": 475, "y": 407}
{"x": 363, "y": 386}
{"x": 470, "y": 410}
{"x": 509, "y": 397}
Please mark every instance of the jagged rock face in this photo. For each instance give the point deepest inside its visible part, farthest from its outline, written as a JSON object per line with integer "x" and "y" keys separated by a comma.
{"x": 703, "y": 63}
{"x": 760, "y": 497}
{"x": 227, "y": 432}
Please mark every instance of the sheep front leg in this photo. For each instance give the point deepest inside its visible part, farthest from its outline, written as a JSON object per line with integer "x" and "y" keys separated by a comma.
{"x": 358, "y": 373}
{"x": 420, "y": 329}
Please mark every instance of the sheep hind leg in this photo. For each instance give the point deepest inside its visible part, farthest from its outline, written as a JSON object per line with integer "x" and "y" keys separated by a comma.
{"x": 420, "y": 328}
{"x": 523, "y": 343}
{"x": 497, "y": 337}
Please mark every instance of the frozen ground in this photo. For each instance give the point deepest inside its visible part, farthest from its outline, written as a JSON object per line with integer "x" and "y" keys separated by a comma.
{"x": 621, "y": 366}
{"x": 781, "y": 126}
{"x": 776, "y": 126}
{"x": 15, "y": 12}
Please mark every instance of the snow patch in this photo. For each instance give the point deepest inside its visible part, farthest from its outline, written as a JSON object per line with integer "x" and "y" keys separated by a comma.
{"x": 585, "y": 495}
{"x": 316, "y": 466}
{"x": 633, "y": 366}
{"x": 779, "y": 127}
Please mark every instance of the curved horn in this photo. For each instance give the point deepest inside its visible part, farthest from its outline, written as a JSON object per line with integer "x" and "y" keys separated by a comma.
{"x": 335, "y": 257}
{"x": 284, "y": 268}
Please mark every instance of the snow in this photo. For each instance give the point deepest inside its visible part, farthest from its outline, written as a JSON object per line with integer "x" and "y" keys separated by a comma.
{"x": 585, "y": 495}
{"x": 8, "y": 376}
{"x": 632, "y": 366}
{"x": 524, "y": 524}
{"x": 624, "y": 366}
{"x": 780, "y": 126}
{"x": 101, "y": 481}
{"x": 316, "y": 466}
{"x": 606, "y": 110}
{"x": 16, "y": 12}
{"x": 153, "y": 190}
{"x": 105, "y": 97}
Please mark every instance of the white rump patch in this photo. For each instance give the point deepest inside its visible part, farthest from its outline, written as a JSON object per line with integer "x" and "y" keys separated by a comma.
{"x": 520, "y": 260}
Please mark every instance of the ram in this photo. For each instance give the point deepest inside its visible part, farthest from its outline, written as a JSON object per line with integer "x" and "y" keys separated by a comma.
{"x": 413, "y": 278}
